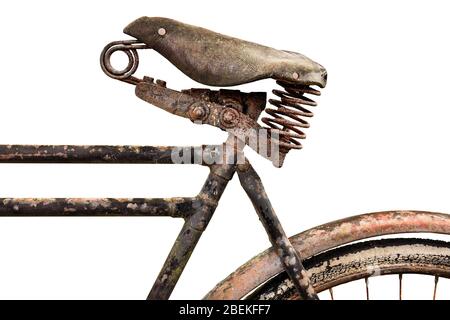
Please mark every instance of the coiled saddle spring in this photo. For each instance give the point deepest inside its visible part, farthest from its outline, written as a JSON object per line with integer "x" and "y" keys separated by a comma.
{"x": 287, "y": 118}
{"x": 129, "y": 47}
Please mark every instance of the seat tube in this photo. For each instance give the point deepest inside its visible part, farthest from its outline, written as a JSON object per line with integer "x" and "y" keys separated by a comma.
{"x": 289, "y": 257}
{"x": 192, "y": 230}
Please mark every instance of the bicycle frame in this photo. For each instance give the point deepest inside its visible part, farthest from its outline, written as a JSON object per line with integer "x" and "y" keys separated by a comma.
{"x": 196, "y": 211}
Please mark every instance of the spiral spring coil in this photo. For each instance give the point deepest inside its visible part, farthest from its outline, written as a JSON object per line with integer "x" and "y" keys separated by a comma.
{"x": 129, "y": 47}
{"x": 287, "y": 116}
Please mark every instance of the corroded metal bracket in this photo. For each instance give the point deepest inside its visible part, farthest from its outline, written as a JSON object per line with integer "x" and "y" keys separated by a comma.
{"x": 225, "y": 115}
{"x": 202, "y": 111}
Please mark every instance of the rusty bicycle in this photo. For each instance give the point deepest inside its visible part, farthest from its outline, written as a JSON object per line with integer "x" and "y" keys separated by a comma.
{"x": 298, "y": 267}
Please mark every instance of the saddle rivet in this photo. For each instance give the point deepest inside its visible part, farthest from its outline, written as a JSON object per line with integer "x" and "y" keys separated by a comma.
{"x": 295, "y": 75}
{"x": 162, "y": 31}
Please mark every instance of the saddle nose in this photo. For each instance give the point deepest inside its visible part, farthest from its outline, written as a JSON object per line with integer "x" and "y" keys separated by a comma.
{"x": 324, "y": 76}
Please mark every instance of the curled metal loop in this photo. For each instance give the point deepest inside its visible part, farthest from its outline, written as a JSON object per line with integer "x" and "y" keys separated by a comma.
{"x": 129, "y": 47}
{"x": 287, "y": 118}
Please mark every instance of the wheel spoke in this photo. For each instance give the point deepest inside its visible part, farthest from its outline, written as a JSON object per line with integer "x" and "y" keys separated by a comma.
{"x": 436, "y": 280}
{"x": 367, "y": 288}
{"x": 400, "y": 282}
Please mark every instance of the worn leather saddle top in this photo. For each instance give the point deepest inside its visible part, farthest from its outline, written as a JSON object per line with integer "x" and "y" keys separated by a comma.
{"x": 218, "y": 60}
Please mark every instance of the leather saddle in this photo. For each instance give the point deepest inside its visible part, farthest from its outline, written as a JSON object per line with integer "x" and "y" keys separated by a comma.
{"x": 218, "y": 60}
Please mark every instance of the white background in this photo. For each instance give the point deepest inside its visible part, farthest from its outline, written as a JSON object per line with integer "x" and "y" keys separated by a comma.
{"x": 378, "y": 141}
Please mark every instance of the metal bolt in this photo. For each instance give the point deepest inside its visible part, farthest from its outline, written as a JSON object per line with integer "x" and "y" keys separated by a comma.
{"x": 229, "y": 117}
{"x": 162, "y": 31}
{"x": 198, "y": 112}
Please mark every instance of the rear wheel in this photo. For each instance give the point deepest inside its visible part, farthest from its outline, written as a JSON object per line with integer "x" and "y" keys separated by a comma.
{"x": 363, "y": 260}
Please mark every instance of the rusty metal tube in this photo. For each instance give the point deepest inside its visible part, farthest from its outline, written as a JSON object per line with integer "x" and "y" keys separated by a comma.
{"x": 78, "y": 207}
{"x": 105, "y": 154}
{"x": 289, "y": 257}
{"x": 191, "y": 232}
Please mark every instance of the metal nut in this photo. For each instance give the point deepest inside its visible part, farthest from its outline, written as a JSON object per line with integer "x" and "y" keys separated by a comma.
{"x": 198, "y": 111}
{"x": 229, "y": 117}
